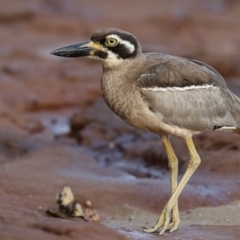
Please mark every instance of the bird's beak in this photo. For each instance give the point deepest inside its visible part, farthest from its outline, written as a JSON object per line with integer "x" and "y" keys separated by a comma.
{"x": 78, "y": 50}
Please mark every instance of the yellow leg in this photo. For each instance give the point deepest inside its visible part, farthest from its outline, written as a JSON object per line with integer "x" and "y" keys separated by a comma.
{"x": 164, "y": 220}
{"x": 173, "y": 166}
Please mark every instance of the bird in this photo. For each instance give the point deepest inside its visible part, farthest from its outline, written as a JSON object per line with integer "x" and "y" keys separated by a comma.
{"x": 163, "y": 94}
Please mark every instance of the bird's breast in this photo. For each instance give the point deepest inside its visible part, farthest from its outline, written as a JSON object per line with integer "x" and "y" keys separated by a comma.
{"x": 124, "y": 99}
{"x": 119, "y": 96}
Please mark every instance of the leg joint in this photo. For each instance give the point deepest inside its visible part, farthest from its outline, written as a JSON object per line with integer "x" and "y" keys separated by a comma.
{"x": 173, "y": 165}
{"x": 194, "y": 162}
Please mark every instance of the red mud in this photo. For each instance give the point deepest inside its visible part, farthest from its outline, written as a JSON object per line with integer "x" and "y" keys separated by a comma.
{"x": 55, "y": 129}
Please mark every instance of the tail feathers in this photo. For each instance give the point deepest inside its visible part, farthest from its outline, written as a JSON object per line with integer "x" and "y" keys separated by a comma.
{"x": 237, "y": 130}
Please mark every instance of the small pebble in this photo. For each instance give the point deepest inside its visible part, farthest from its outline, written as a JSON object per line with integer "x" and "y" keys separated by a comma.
{"x": 111, "y": 145}
{"x": 95, "y": 217}
{"x": 88, "y": 203}
{"x": 131, "y": 218}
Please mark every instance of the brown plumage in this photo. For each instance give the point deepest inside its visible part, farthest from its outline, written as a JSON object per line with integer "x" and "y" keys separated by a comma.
{"x": 164, "y": 94}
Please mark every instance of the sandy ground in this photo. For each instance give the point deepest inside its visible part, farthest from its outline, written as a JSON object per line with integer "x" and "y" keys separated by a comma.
{"x": 55, "y": 129}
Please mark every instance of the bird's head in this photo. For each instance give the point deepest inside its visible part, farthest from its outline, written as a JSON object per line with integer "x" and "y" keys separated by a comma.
{"x": 111, "y": 46}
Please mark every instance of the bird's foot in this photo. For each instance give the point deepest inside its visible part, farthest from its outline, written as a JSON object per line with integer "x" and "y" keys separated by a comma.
{"x": 165, "y": 222}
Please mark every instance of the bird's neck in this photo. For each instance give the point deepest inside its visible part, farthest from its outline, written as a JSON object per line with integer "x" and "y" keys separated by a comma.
{"x": 118, "y": 88}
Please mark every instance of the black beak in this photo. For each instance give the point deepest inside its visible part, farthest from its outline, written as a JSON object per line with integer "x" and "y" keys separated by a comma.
{"x": 77, "y": 50}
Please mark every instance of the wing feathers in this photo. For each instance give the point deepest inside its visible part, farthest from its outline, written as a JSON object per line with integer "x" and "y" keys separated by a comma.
{"x": 195, "y": 109}
{"x": 189, "y": 94}
{"x": 180, "y": 72}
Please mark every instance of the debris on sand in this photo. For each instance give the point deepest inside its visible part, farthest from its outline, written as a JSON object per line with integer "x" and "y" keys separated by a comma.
{"x": 68, "y": 207}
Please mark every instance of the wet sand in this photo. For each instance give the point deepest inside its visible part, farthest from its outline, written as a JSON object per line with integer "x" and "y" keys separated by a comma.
{"x": 55, "y": 129}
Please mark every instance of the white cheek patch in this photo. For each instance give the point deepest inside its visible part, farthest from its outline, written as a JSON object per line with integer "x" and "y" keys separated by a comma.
{"x": 112, "y": 59}
{"x": 127, "y": 44}
{"x": 193, "y": 87}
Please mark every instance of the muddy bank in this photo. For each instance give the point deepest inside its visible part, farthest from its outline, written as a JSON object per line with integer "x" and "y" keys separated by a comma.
{"x": 55, "y": 129}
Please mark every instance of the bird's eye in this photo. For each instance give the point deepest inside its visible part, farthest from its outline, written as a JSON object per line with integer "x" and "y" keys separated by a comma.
{"x": 111, "y": 42}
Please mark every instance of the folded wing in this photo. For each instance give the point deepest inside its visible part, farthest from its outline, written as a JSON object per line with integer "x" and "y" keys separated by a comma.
{"x": 189, "y": 94}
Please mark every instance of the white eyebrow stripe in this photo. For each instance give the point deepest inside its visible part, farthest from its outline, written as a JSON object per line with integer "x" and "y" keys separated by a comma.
{"x": 130, "y": 46}
{"x": 115, "y": 36}
{"x": 193, "y": 87}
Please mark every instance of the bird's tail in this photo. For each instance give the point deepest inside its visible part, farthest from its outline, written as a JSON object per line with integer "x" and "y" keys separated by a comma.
{"x": 237, "y": 130}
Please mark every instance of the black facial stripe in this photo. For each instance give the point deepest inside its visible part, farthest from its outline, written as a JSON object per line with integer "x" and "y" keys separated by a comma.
{"x": 101, "y": 54}
{"x": 121, "y": 50}
{"x": 97, "y": 37}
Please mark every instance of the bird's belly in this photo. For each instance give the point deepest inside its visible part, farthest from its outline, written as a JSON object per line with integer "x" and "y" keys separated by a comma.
{"x": 133, "y": 111}
{"x": 128, "y": 104}
{"x": 139, "y": 116}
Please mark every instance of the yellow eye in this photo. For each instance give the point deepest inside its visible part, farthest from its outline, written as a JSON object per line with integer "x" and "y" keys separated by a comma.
{"x": 111, "y": 42}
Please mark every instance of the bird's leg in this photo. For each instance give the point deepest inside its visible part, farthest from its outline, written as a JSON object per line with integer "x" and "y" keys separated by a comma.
{"x": 165, "y": 218}
{"x": 173, "y": 166}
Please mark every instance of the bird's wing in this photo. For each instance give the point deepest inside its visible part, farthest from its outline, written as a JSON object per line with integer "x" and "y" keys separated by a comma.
{"x": 187, "y": 94}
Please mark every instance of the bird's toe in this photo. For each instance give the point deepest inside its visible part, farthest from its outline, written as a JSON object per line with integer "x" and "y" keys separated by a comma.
{"x": 173, "y": 226}
{"x": 164, "y": 223}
